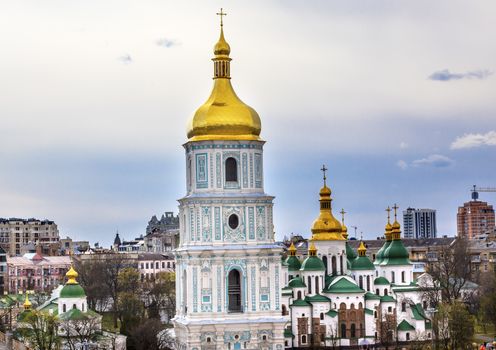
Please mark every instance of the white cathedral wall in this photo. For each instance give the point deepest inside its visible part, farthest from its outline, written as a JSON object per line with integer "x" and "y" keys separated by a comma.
{"x": 331, "y": 249}
{"x": 69, "y": 302}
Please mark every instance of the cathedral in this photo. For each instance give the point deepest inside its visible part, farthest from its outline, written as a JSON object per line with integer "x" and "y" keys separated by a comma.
{"x": 234, "y": 290}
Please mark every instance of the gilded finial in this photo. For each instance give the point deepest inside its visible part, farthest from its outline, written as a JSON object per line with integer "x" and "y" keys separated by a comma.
{"x": 342, "y": 212}
{"x": 27, "y": 304}
{"x": 324, "y": 169}
{"x": 388, "y": 209}
{"x": 395, "y": 208}
{"x": 221, "y": 14}
{"x": 292, "y": 249}
{"x": 312, "y": 251}
{"x": 71, "y": 276}
{"x": 362, "y": 249}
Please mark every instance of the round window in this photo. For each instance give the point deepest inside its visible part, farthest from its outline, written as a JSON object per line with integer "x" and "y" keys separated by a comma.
{"x": 233, "y": 221}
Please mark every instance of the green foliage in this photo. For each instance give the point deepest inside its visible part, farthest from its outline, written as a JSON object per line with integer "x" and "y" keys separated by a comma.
{"x": 40, "y": 330}
{"x": 461, "y": 326}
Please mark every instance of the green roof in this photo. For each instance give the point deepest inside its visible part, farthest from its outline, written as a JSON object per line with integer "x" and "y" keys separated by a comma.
{"x": 296, "y": 283}
{"x": 387, "y": 299}
{"x": 293, "y": 262}
{"x": 76, "y": 314}
{"x": 418, "y": 312}
{"x": 343, "y": 285}
{"x": 332, "y": 313}
{"x": 405, "y": 326}
{"x": 22, "y": 316}
{"x": 396, "y": 254}
{"x": 350, "y": 253}
{"x": 362, "y": 263}
{"x": 380, "y": 254}
{"x": 372, "y": 296}
{"x": 300, "y": 302}
{"x": 312, "y": 263}
{"x": 288, "y": 333}
{"x": 368, "y": 311}
{"x": 72, "y": 291}
{"x": 381, "y": 281}
{"x": 317, "y": 298}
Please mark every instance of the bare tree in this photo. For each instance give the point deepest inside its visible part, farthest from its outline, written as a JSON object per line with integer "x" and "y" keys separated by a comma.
{"x": 81, "y": 330}
{"x": 91, "y": 277}
{"x": 451, "y": 271}
{"x": 387, "y": 329}
{"x": 40, "y": 330}
{"x": 151, "y": 335}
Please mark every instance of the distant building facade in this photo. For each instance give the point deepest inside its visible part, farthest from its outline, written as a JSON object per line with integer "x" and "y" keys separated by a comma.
{"x": 166, "y": 223}
{"x": 34, "y": 271}
{"x": 16, "y": 233}
{"x": 419, "y": 223}
{"x": 474, "y": 218}
{"x": 151, "y": 264}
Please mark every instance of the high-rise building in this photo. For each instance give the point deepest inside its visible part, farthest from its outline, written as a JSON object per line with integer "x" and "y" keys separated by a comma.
{"x": 228, "y": 267}
{"x": 474, "y": 218}
{"x": 419, "y": 223}
{"x": 16, "y": 233}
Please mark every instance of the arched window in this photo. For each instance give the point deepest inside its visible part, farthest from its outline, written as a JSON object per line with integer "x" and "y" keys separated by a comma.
{"x": 324, "y": 260}
{"x": 377, "y": 291}
{"x": 82, "y": 307}
{"x": 368, "y": 283}
{"x": 74, "y": 306}
{"x": 64, "y": 309}
{"x": 309, "y": 284}
{"x": 343, "y": 330}
{"x": 375, "y": 314}
{"x": 334, "y": 265}
{"x": 185, "y": 292}
{"x": 284, "y": 310}
{"x": 360, "y": 305}
{"x": 407, "y": 336}
{"x": 385, "y": 291}
{"x": 360, "y": 281}
{"x": 234, "y": 291}
{"x": 321, "y": 315}
{"x": 403, "y": 307}
{"x": 317, "y": 284}
{"x": 403, "y": 276}
{"x": 392, "y": 276}
{"x": 352, "y": 306}
{"x": 299, "y": 294}
{"x": 231, "y": 169}
{"x": 303, "y": 339}
{"x": 353, "y": 331}
{"x": 341, "y": 268}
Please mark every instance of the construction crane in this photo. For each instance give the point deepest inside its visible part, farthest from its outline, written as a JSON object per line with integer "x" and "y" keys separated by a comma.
{"x": 475, "y": 191}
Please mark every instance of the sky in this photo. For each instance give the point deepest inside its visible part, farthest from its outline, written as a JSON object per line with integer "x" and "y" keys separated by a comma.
{"x": 397, "y": 98}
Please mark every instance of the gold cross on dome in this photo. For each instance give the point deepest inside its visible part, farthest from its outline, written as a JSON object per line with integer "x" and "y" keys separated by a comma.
{"x": 342, "y": 215}
{"x": 395, "y": 207}
{"x": 324, "y": 169}
{"x": 389, "y": 212}
{"x": 221, "y": 13}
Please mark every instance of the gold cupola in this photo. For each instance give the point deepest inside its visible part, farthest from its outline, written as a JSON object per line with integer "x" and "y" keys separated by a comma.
{"x": 362, "y": 250}
{"x": 27, "y": 304}
{"x": 326, "y": 227}
{"x": 396, "y": 227}
{"x": 223, "y": 116}
{"x": 71, "y": 276}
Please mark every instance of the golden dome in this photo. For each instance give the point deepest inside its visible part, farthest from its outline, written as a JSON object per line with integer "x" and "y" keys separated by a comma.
{"x": 27, "y": 304}
{"x": 312, "y": 251}
{"x": 71, "y": 276}
{"x": 224, "y": 116}
{"x": 362, "y": 249}
{"x": 292, "y": 249}
{"x": 326, "y": 227}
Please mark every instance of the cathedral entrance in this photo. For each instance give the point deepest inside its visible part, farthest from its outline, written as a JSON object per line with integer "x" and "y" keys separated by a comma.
{"x": 234, "y": 291}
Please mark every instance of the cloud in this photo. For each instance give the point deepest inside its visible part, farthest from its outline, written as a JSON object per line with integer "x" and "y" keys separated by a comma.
{"x": 167, "y": 43}
{"x": 474, "y": 140}
{"x": 402, "y": 164}
{"x": 126, "y": 59}
{"x": 434, "y": 160}
{"x": 446, "y": 75}
{"x": 403, "y": 145}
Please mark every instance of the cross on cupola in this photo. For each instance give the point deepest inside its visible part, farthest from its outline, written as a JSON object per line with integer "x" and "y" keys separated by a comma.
{"x": 388, "y": 209}
{"x": 395, "y": 208}
{"x": 324, "y": 169}
{"x": 221, "y": 14}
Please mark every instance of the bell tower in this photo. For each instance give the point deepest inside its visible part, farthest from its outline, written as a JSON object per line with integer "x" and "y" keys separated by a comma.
{"x": 228, "y": 269}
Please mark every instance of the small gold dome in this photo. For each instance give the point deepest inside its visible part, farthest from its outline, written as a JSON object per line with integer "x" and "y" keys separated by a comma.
{"x": 292, "y": 249}
{"x": 27, "y": 304}
{"x": 224, "y": 116}
{"x": 326, "y": 227}
{"x": 71, "y": 276}
{"x": 362, "y": 249}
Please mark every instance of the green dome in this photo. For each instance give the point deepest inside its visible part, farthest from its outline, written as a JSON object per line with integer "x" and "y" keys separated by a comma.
{"x": 362, "y": 263}
{"x": 296, "y": 283}
{"x": 312, "y": 263}
{"x": 350, "y": 253}
{"x": 396, "y": 254}
{"x": 380, "y": 254}
{"x": 381, "y": 281}
{"x": 293, "y": 262}
{"x": 72, "y": 291}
